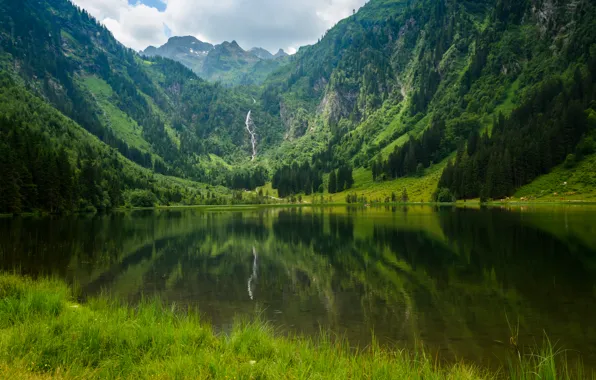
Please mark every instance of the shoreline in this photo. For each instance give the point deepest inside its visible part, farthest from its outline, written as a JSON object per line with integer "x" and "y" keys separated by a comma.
{"x": 459, "y": 204}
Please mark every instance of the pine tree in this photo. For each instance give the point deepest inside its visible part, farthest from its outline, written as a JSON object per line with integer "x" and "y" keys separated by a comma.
{"x": 332, "y": 182}
{"x": 349, "y": 177}
{"x": 65, "y": 180}
{"x": 404, "y": 196}
{"x": 10, "y": 197}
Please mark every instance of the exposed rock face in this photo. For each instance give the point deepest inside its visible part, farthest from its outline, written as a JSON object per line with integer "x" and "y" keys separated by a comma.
{"x": 295, "y": 121}
{"x": 180, "y": 46}
{"x": 280, "y": 54}
{"x": 261, "y": 53}
{"x": 337, "y": 105}
{"x": 226, "y": 62}
{"x": 555, "y": 18}
{"x": 187, "y": 50}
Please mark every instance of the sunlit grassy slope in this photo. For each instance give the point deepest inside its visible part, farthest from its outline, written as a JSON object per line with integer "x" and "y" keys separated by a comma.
{"x": 419, "y": 189}
{"x": 561, "y": 185}
{"x": 564, "y": 184}
{"x": 124, "y": 126}
{"x": 268, "y": 189}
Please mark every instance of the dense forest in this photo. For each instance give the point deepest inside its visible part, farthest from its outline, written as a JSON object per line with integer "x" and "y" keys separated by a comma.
{"x": 415, "y": 155}
{"x": 298, "y": 178}
{"x": 51, "y": 164}
{"x": 546, "y": 130}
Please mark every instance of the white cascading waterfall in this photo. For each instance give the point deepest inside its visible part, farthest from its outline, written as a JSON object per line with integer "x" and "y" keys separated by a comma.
{"x": 250, "y": 127}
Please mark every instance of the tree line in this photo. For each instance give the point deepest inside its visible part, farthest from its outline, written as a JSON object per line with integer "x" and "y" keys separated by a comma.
{"x": 303, "y": 178}
{"x": 298, "y": 178}
{"x": 414, "y": 156}
{"x": 340, "y": 179}
{"x": 248, "y": 178}
{"x": 38, "y": 176}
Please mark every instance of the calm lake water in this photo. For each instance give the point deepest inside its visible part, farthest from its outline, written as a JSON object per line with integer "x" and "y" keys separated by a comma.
{"x": 448, "y": 278}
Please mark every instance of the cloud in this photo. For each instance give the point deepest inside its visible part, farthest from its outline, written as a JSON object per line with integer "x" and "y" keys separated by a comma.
{"x": 271, "y": 24}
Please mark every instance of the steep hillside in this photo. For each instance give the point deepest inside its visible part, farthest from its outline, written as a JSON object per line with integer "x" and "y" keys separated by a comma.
{"x": 227, "y": 63}
{"x": 87, "y": 124}
{"x": 401, "y": 85}
{"x": 49, "y": 163}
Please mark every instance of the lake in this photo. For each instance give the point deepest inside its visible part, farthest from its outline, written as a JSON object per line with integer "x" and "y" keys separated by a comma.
{"x": 455, "y": 280}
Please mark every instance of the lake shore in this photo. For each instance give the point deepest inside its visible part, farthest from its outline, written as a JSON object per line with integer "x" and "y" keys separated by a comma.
{"x": 474, "y": 203}
{"x": 45, "y": 333}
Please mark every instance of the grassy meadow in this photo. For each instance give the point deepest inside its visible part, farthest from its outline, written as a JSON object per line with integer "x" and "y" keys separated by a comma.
{"x": 562, "y": 184}
{"x": 44, "y": 333}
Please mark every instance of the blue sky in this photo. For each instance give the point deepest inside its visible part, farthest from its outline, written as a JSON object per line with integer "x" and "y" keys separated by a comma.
{"x": 271, "y": 24}
{"x": 158, "y": 4}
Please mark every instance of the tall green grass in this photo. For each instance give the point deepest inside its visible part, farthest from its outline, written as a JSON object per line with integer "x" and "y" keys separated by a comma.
{"x": 44, "y": 334}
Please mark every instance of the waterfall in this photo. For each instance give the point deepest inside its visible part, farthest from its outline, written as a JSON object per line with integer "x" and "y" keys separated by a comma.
{"x": 250, "y": 127}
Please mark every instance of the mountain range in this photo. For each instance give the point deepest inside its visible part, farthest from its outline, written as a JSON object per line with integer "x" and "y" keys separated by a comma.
{"x": 226, "y": 62}
{"x": 438, "y": 99}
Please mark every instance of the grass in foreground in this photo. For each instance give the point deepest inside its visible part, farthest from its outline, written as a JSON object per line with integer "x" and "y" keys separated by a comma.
{"x": 43, "y": 334}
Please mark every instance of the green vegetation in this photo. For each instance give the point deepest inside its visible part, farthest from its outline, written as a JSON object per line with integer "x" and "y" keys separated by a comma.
{"x": 403, "y": 102}
{"x": 155, "y": 112}
{"x": 51, "y": 164}
{"x": 443, "y": 73}
{"x": 142, "y": 198}
{"x": 564, "y": 184}
{"x": 121, "y": 124}
{"x": 44, "y": 333}
{"x": 365, "y": 188}
{"x": 549, "y": 128}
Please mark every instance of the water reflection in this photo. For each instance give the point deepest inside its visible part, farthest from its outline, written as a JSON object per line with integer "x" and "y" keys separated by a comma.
{"x": 447, "y": 278}
{"x": 253, "y": 276}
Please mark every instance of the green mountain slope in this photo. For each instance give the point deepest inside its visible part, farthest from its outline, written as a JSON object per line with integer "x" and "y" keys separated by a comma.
{"x": 154, "y": 111}
{"x": 50, "y": 163}
{"x": 146, "y": 122}
{"x": 404, "y": 84}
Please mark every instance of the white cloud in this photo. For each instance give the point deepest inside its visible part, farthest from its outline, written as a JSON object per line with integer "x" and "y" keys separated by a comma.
{"x": 102, "y": 9}
{"x": 271, "y": 24}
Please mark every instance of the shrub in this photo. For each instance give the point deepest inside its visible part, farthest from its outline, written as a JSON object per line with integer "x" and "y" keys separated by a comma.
{"x": 587, "y": 146}
{"x": 444, "y": 195}
{"x": 142, "y": 198}
{"x": 570, "y": 161}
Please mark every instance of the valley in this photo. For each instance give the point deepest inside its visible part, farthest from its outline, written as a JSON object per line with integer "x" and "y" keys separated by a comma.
{"x": 472, "y": 101}
{"x": 407, "y": 193}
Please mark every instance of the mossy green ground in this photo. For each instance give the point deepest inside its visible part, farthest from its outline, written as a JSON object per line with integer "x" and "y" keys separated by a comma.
{"x": 564, "y": 184}
{"x": 123, "y": 126}
{"x": 44, "y": 334}
{"x": 575, "y": 184}
{"x": 419, "y": 189}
